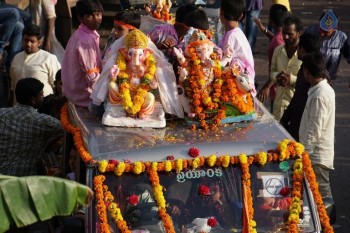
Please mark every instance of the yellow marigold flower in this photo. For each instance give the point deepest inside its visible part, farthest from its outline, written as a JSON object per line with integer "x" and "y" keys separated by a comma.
{"x": 226, "y": 161}
{"x": 197, "y": 62}
{"x": 293, "y": 218}
{"x": 295, "y": 200}
{"x": 158, "y": 195}
{"x": 154, "y": 166}
{"x": 119, "y": 169}
{"x": 137, "y": 167}
{"x": 201, "y": 82}
{"x": 282, "y": 155}
{"x": 243, "y": 159}
{"x": 119, "y": 215}
{"x": 102, "y": 166}
{"x": 252, "y": 223}
{"x": 112, "y": 209}
{"x": 299, "y": 148}
{"x": 196, "y": 162}
{"x": 178, "y": 165}
{"x": 261, "y": 158}
{"x": 298, "y": 166}
{"x": 207, "y": 100}
{"x": 295, "y": 206}
{"x": 168, "y": 166}
{"x": 212, "y": 160}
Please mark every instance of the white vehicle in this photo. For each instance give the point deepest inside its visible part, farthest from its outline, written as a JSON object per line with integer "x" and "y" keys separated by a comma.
{"x": 203, "y": 190}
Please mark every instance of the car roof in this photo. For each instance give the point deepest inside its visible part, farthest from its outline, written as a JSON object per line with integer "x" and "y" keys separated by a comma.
{"x": 147, "y": 144}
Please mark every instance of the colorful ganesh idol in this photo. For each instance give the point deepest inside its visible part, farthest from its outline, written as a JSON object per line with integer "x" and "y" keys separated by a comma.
{"x": 128, "y": 82}
{"x": 211, "y": 93}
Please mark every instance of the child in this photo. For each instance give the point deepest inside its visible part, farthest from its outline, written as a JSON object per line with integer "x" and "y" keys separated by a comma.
{"x": 82, "y": 60}
{"x": 124, "y": 22}
{"x": 197, "y": 19}
{"x": 53, "y": 103}
{"x": 234, "y": 40}
{"x": 167, "y": 36}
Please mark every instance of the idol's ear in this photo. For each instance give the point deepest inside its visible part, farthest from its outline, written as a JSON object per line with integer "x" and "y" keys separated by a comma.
{"x": 146, "y": 53}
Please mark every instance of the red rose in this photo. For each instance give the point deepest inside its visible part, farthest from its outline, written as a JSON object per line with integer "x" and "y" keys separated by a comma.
{"x": 113, "y": 161}
{"x": 285, "y": 191}
{"x": 193, "y": 152}
{"x": 212, "y": 222}
{"x": 133, "y": 199}
{"x": 203, "y": 190}
{"x": 170, "y": 157}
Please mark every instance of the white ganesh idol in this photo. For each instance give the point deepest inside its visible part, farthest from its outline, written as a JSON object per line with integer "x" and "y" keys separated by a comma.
{"x": 128, "y": 83}
{"x": 211, "y": 93}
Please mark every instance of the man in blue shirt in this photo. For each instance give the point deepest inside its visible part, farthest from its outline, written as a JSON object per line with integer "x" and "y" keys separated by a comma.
{"x": 334, "y": 42}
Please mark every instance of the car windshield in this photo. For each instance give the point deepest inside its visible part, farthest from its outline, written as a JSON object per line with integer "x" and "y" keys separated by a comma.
{"x": 194, "y": 196}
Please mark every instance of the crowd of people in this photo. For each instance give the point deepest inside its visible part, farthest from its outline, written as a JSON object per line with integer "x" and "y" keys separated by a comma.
{"x": 303, "y": 66}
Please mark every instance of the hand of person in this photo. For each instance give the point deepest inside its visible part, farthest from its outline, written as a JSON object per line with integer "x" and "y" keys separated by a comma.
{"x": 228, "y": 51}
{"x": 279, "y": 78}
{"x": 259, "y": 24}
{"x": 285, "y": 80}
{"x": 175, "y": 211}
{"x": 169, "y": 42}
{"x": 47, "y": 46}
{"x": 264, "y": 94}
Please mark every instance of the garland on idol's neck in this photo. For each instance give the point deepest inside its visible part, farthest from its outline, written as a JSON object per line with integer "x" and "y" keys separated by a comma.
{"x": 231, "y": 94}
{"x": 204, "y": 95}
{"x": 133, "y": 104}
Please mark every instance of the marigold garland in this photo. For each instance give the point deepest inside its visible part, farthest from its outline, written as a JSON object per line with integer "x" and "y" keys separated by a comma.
{"x": 77, "y": 136}
{"x": 311, "y": 178}
{"x": 100, "y": 206}
{"x": 133, "y": 104}
{"x": 204, "y": 92}
{"x": 159, "y": 197}
{"x": 295, "y": 207}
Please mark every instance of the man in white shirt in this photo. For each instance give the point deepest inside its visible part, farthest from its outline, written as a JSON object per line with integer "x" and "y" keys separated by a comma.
{"x": 34, "y": 62}
{"x": 317, "y": 124}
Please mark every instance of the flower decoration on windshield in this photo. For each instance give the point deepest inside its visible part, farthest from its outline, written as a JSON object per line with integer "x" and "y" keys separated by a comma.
{"x": 133, "y": 199}
{"x": 102, "y": 166}
{"x": 261, "y": 158}
{"x": 203, "y": 190}
{"x": 170, "y": 157}
{"x": 193, "y": 152}
{"x": 285, "y": 191}
{"x": 127, "y": 161}
{"x": 113, "y": 161}
{"x": 212, "y": 222}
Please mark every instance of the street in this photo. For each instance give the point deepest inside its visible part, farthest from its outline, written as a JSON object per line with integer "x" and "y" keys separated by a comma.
{"x": 309, "y": 12}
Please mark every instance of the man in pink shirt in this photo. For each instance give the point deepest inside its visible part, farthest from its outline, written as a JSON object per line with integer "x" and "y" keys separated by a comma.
{"x": 82, "y": 60}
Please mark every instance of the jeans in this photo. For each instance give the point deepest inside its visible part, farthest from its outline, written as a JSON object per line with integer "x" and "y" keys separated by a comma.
{"x": 25, "y": 16}
{"x": 10, "y": 32}
{"x": 251, "y": 30}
